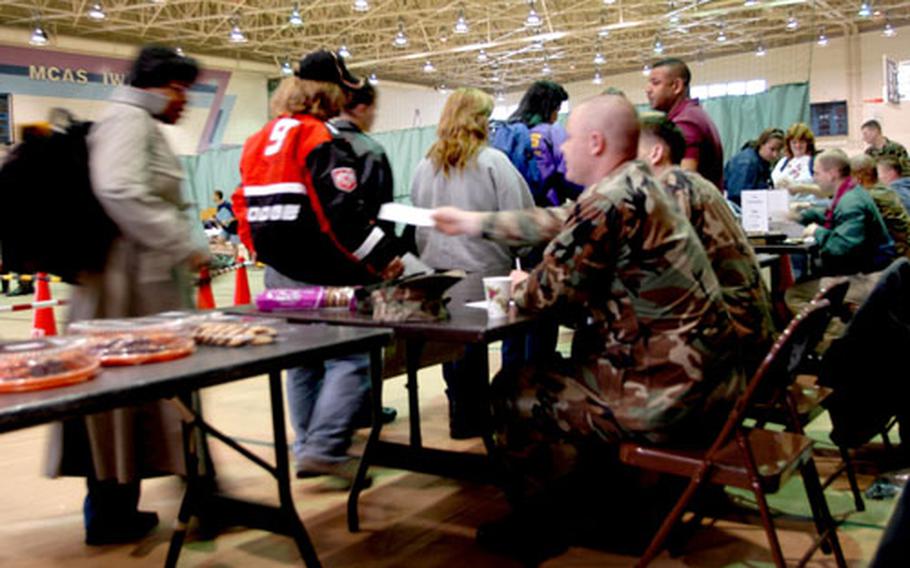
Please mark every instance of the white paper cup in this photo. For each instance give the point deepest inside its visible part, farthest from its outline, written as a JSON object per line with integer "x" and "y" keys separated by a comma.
{"x": 497, "y": 291}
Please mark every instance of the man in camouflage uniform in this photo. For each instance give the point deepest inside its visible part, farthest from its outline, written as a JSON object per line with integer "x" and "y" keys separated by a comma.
{"x": 747, "y": 299}
{"x": 880, "y": 145}
{"x": 896, "y": 218}
{"x": 656, "y": 358}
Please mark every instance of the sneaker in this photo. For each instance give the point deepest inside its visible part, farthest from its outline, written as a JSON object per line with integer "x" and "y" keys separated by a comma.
{"x": 130, "y": 529}
{"x": 345, "y": 469}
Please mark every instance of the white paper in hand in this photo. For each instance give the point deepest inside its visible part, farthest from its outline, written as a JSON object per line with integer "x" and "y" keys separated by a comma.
{"x": 407, "y": 214}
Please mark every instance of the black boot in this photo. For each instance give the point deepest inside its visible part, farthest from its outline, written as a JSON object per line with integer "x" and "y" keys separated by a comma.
{"x": 467, "y": 418}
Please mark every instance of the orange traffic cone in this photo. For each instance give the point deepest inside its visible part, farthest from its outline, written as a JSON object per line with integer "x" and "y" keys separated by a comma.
{"x": 43, "y": 324}
{"x": 205, "y": 300}
{"x": 241, "y": 285}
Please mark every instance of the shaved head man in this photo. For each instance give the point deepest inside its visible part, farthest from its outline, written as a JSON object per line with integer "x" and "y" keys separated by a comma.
{"x": 654, "y": 353}
{"x": 668, "y": 92}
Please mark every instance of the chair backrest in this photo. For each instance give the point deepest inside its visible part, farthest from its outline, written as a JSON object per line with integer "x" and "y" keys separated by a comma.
{"x": 835, "y": 293}
{"x": 778, "y": 367}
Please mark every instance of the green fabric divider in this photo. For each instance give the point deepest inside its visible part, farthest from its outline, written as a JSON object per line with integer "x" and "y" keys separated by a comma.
{"x": 405, "y": 148}
{"x": 741, "y": 118}
{"x": 738, "y": 119}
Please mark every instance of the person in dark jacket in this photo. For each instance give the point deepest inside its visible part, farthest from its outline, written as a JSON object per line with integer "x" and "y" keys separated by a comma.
{"x": 751, "y": 167}
{"x": 307, "y": 213}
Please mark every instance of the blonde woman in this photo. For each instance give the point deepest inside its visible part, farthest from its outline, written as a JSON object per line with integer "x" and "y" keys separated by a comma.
{"x": 462, "y": 170}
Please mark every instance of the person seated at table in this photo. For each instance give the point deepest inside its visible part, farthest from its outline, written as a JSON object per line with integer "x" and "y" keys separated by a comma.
{"x": 896, "y": 218}
{"x": 851, "y": 236}
{"x": 656, "y": 356}
{"x": 662, "y": 147}
{"x": 750, "y": 168}
{"x": 794, "y": 172}
{"x": 892, "y": 172}
{"x": 305, "y": 213}
{"x": 461, "y": 169}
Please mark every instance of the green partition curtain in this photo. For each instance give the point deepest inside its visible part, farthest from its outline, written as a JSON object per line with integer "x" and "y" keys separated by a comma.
{"x": 738, "y": 119}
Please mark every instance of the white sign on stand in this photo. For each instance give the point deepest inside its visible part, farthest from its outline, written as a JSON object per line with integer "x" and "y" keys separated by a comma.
{"x": 755, "y": 211}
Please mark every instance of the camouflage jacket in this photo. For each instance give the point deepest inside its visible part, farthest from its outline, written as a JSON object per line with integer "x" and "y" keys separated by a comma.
{"x": 896, "y": 218}
{"x": 658, "y": 349}
{"x": 891, "y": 148}
{"x": 732, "y": 258}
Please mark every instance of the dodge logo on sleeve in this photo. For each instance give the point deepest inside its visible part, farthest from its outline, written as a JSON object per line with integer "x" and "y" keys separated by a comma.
{"x": 345, "y": 179}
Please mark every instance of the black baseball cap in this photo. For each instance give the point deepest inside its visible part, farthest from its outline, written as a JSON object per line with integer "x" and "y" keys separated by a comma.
{"x": 327, "y": 67}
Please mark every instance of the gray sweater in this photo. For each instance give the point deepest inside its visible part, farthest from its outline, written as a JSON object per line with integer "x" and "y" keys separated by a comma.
{"x": 489, "y": 183}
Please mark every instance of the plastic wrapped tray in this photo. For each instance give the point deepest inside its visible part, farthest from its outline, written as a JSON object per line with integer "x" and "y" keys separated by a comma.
{"x": 136, "y": 341}
{"x": 45, "y": 363}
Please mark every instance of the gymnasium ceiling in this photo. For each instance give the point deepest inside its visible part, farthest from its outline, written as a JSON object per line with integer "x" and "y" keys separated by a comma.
{"x": 571, "y": 32}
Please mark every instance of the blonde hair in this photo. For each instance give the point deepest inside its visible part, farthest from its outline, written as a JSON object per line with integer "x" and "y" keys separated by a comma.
{"x": 462, "y": 130}
{"x": 303, "y": 96}
{"x": 800, "y": 131}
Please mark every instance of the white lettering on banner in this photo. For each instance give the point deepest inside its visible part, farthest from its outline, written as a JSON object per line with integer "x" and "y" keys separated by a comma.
{"x": 57, "y": 74}
{"x": 109, "y": 78}
{"x": 273, "y": 213}
{"x": 278, "y": 134}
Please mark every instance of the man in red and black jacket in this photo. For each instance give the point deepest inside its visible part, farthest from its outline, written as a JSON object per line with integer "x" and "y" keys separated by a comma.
{"x": 304, "y": 212}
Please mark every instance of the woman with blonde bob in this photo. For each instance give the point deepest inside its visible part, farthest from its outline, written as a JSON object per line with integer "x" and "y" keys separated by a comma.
{"x": 463, "y": 171}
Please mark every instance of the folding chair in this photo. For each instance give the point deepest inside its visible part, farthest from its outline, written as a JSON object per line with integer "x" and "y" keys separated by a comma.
{"x": 750, "y": 458}
{"x": 796, "y": 405}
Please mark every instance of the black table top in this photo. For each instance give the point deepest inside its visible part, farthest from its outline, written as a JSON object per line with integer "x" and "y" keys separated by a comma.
{"x": 466, "y": 325}
{"x": 786, "y": 248}
{"x": 121, "y": 386}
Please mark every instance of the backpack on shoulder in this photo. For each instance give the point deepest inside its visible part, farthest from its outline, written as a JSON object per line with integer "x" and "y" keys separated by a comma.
{"x": 514, "y": 140}
{"x": 50, "y": 219}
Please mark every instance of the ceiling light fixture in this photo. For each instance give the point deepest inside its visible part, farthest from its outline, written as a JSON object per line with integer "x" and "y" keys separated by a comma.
{"x": 760, "y": 51}
{"x": 598, "y": 78}
{"x": 443, "y": 90}
{"x": 96, "y": 12}
{"x": 235, "y": 35}
{"x": 889, "y": 30}
{"x": 401, "y": 38}
{"x": 179, "y": 51}
{"x": 428, "y": 67}
{"x": 599, "y": 58}
{"x": 750, "y": 3}
{"x": 721, "y": 36}
{"x": 361, "y": 6}
{"x": 39, "y": 36}
{"x": 533, "y": 20}
{"x": 792, "y": 23}
{"x": 482, "y": 56}
{"x": 343, "y": 51}
{"x": 461, "y": 24}
{"x": 373, "y": 79}
{"x": 865, "y": 10}
{"x": 286, "y": 69}
{"x": 295, "y": 19}
{"x": 609, "y": 2}
{"x": 546, "y": 70}
{"x": 646, "y": 70}
{"x": 822, "y": 40}
{"x": 658, "y": 46}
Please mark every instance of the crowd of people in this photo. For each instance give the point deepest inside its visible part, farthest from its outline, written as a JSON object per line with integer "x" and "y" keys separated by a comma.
{"x": 625, "y": 234}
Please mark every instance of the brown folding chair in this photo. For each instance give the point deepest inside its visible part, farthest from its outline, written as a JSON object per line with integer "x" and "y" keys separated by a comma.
{"x": 799, "y": 404}
{"x": 750, "y": 458}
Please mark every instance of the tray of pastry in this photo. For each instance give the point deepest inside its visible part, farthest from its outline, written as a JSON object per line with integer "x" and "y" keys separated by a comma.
{"x": 136, "y": 341}
{"x": 45, "y": 363}
{"x": 229, "y": 330}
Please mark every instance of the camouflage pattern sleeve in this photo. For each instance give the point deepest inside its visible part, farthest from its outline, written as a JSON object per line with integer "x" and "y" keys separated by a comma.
{"x": 526, "y": 227}
{"x": 896, "y": 218}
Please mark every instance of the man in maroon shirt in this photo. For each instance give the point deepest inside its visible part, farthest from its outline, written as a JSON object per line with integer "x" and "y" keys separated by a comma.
{"x": 668, "y": 91}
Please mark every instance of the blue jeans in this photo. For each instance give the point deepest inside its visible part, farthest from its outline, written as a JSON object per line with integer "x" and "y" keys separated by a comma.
{"x": 323, "y": 398}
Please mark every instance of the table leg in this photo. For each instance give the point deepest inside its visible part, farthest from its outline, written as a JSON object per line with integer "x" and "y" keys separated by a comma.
{"x": 188, "y": 505}
{"x": 488, "y": 432}
{"x": 282, "y": 475}
{"x": 414, "y": 349}
{"x": 368, "y": 450}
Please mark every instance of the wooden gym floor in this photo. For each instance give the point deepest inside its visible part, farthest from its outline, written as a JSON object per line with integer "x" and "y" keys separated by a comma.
{"x": 408, "y": 519}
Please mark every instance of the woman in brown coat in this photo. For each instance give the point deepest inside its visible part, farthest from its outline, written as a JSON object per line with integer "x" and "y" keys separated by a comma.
{"x": 136, "y": 177}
